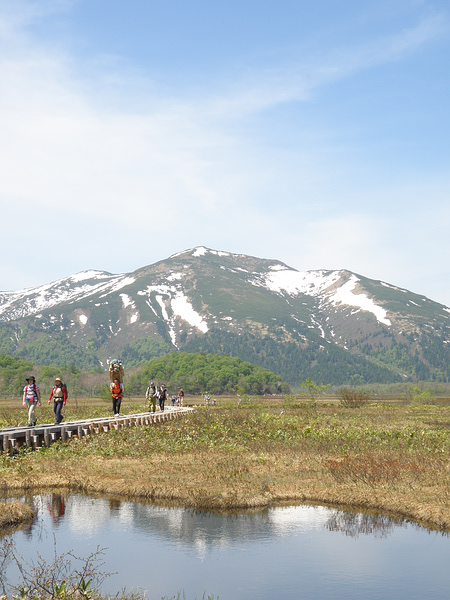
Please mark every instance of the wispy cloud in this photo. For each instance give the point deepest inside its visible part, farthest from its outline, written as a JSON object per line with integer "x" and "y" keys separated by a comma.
{"x": 58, "y": 143}
{"x": 85, "y": 147}
{"x": 302, "y": 75}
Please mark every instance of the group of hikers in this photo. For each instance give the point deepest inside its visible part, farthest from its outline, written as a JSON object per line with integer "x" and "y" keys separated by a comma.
{"x": 156, "y": 395}
{"x": 32, "y": 397}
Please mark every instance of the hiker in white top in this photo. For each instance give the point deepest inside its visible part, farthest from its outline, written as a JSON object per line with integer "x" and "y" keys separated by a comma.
{"x": 31, "y": 397}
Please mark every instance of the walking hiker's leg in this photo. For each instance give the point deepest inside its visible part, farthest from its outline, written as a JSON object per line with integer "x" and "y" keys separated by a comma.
{"x": 32, "y": 414}
{"x": 58, "y": 408}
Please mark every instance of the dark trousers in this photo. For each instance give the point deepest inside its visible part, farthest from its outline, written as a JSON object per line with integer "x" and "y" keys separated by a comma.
{"x": 57, "y": 408}
{"x": 116, "y": 405}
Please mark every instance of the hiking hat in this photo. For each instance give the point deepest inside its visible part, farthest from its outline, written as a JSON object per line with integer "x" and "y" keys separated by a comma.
{"x": 58, "y": 379}
{"x": 31, "y": 377}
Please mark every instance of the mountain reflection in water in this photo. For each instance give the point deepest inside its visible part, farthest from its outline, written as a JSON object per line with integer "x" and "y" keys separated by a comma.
{"x": 276, "y": 553}
{"x": 193, "y": 527}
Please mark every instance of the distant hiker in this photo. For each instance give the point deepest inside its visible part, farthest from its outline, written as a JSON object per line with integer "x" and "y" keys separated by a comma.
{"x": 31, "y": 397}
{"x": 174, "y": 399}
{"x": 116, "y": 393}
{"x": 180, "y": 397}
{"x": 150, "y": 394}
{"x": 162, "y": 397}
{"x": 59, "y": 396}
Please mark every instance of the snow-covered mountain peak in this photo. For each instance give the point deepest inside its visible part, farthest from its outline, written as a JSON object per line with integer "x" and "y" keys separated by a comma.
{"x": 296, "y": 322}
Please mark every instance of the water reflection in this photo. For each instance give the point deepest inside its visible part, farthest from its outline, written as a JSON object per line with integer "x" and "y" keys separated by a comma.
{"x": 268, "y": 554}
{"x": 356, "y": 524}
{"x": 191, "y": 527}
{"x": 56, "y": 506}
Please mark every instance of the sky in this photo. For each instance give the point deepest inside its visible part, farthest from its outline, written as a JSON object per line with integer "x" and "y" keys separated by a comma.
{"x": 315, "y": 133}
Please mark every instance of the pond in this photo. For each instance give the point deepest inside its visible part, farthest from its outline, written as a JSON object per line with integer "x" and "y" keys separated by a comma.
{"x": 273, "y": 554}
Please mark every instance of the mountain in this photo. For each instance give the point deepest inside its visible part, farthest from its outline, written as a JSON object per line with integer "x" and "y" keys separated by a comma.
{"x": 333, "y": 326}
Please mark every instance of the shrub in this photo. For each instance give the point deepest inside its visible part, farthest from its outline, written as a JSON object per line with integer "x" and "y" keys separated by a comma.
{"x": 351, "y": 398}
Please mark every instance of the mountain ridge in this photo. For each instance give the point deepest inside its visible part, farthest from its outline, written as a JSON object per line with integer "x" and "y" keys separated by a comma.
{"x": 311, "y": 322}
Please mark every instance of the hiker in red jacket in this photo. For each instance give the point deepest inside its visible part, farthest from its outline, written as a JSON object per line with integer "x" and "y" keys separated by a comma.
{"x": 59, "y": 395}
{"x": 116, "y": 393}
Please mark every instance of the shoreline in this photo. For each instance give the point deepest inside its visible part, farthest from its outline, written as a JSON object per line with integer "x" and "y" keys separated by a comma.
{"x": 14, "y": 514}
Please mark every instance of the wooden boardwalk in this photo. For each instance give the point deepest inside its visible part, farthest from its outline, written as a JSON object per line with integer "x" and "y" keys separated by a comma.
{"x": 36, "y": 437}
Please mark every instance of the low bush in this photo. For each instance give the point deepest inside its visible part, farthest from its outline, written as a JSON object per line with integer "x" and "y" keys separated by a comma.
{"x": 352, "y": 398}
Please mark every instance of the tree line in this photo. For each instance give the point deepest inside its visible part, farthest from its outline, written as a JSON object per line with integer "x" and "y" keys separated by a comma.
{"x": 200, "y": 372}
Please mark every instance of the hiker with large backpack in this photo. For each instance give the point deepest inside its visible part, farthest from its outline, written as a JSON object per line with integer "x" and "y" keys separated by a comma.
{"x": 150, "y": 394}
{"x": 31, "y": 397}
{"x": 59, "y": 395}
{"x": 116, "y": 370}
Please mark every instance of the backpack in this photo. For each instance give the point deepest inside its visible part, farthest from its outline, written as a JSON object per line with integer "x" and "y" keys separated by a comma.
{"x": 31, "y": 387}
{"x": 116, "y": 370}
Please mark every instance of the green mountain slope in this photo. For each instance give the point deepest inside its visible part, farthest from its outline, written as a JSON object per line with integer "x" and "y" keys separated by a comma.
{"x": 334, "y": 326}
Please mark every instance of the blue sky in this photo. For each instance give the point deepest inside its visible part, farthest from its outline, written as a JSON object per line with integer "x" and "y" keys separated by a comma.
{"x": 313, "y": 133}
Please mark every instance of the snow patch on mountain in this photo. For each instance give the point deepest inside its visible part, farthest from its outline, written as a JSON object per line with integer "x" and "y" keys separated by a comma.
{"x": 312, "y": 283}
{"x": 127, "y": 301}
{"x": 183, "y": 308}
{"x": 83, "y": 275}
{"x": 180, "y": 307}
{"x": 393, "y": 287}
{"x": 199, "y": 251}
{"x": 345, "y": 295}
{"x": 174, "y": 277}
{"x": 324, "y": 284}
{"x": 33, "y": 300}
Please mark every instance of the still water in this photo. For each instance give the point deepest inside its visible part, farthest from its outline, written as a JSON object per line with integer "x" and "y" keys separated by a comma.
{"x": 275, "y": 554}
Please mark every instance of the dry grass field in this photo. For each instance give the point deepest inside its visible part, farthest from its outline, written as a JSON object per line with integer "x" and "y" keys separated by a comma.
{"x": 387, "y": 455}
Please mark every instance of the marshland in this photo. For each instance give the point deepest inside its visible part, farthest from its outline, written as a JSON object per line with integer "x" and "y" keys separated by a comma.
{"x": 386, "y": 454}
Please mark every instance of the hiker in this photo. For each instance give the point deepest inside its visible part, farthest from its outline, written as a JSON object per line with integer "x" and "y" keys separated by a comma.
{"x": 59, "y": 395}
{"x": 116, "y": 393}
{"x": 162, "y": 397}
{"x": 174, "y": 399}
{"x": 180, "y": 397}
{"x": 31, "y": 397}
{"x": 150, "y": 394}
